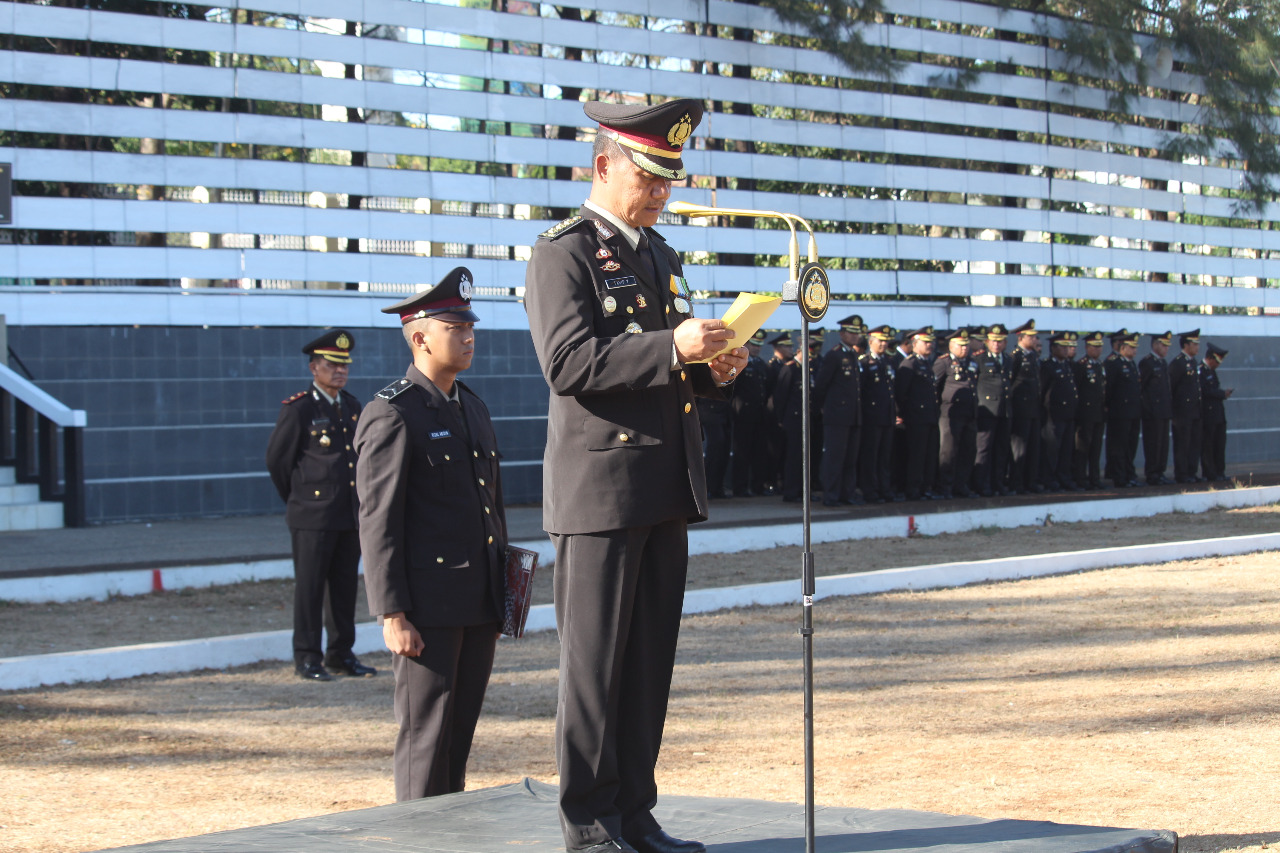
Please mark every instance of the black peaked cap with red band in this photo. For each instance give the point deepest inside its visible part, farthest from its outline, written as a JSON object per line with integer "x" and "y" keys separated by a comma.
{"x": 652, "y": 137}
{"x": 451, "y": 296}
{"x": 334, "y": 345}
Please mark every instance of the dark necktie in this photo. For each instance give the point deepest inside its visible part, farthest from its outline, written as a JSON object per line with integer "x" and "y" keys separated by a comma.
{"x": 646, "y": 257}
{"x": 457, "y": 410}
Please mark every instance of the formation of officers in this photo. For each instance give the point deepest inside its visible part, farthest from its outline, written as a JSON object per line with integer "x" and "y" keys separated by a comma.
{"x": 971, "y": 411}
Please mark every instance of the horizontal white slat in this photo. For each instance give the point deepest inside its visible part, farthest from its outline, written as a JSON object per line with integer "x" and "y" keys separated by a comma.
{"x": 38, "y": 116}
{"x": 134, "y": 262}
{"x": 272, "y": 41}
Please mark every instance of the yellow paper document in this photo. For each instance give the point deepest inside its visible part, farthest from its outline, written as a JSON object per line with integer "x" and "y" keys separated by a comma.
{"x": 745, "y": 317}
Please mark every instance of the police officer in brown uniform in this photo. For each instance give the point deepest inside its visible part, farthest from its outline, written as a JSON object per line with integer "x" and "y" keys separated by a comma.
{"x": 313, "y": 467}
{"x": 623, "y": 475}
{"x": 1091, "y": 388}
{"x": 434, "y": 535}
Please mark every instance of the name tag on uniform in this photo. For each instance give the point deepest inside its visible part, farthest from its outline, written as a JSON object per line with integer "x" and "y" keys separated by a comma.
{"x": 444, "y": 433}
{"x": 625, "y": 281}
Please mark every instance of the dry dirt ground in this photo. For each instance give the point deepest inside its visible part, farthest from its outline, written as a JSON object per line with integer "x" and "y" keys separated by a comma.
{"x": 1145, "y": 696}
{"x": 265, "y": 606}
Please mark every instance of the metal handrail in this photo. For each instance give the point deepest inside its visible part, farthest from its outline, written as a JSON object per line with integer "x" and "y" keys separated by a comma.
{"x": 33, "y": 417}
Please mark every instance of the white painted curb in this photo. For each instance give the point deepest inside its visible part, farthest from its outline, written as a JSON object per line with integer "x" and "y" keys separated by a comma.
{"x": 219, "y": 652}
{"x": 702, "y": 540}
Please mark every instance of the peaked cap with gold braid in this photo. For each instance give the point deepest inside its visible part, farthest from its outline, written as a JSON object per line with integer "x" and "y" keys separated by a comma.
{"x": 652, "y": 136}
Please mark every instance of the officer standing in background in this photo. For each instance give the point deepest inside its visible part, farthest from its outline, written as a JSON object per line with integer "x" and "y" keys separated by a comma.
{"x": 816, "y": 337}
{"x": 1057, "y": 431}
{"x": 613, "y": 330}
{"x": 1024, "y": 412}
{"x": 915, "y": 390}
{"x": 1213, "y": 397}
{"x": 313, "y": 467}
{"x": 787, "y": 404}
{"x": 957, "y": 408}
{"x": 899, "y": 351}
{"x": 837, "y": 393}
{"x": 434, "y": 532}
{"x": 1091, "y": 388}
{"x": 1124, "y": 409}
{"x": 714, "y": 415}
{"x": 747, "y": 424}
{"x": 1184, "y": 400}
{"x": 1157, "y": 409}
{"x": 995, "y": 372}
{"x": 777, "y": 439}
{"x": 879, "y": 417}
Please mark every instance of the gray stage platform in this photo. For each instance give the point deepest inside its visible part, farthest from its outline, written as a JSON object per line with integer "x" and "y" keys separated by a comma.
{"x": 522, "y": 817}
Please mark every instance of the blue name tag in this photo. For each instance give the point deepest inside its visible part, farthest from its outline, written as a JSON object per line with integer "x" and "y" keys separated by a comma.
{"x": 444, "y": 433}
{"x": 625, "y": 281}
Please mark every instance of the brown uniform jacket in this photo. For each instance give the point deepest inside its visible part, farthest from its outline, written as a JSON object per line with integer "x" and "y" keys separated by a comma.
{"x": 432, "y": 526}
{"x": 624, "y": 443}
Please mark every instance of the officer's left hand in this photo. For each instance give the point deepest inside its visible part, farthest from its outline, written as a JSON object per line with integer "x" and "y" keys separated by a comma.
{"x": 726, "y": 366}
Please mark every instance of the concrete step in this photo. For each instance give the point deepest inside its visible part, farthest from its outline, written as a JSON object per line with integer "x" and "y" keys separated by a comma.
{"x": 21, "y": 507}
{"x": 39, "y": 515}
{"x": 25, "y": 493}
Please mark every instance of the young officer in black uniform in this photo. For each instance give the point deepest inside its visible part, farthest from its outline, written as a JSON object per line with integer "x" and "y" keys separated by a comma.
{"x": 1057, "y": 431}
{"x": 434, "y": 536}
{"x": 1184, "y": 400}
{"x": 879, "y": 417}
{"x": 613, "y": 330}
{"x": 1025, "y": 411}
{"x": 1157, "y": 409}
{"x": 313, "y": 467}
{"x": 1091, "y": 388}
{"x": 995, "y": 371}
{"x": 957, "y": 409}
{"x": 837, "y": 396}
{"x": 1124, "y": 409}
{"x": 1213, "y": 459}
{"x": 916, "y": 391}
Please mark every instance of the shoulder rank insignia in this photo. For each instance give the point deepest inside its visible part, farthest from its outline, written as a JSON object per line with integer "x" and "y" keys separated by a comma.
{"x": 297, "y": 396}
{"x": 560, "y": 227}
{"x": 394, "y": 390}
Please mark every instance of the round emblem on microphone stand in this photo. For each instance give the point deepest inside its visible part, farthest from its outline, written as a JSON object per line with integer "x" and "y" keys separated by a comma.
{"x": 815, "y": 291}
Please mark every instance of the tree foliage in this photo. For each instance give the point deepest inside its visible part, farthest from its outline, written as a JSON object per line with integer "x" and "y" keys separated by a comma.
{"x": 1230, "y": 47}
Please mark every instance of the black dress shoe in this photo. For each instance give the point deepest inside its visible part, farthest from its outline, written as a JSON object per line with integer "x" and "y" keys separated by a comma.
{"x": 660, "y": 842}
{"x": 312, "y": 672}
{"x": 352, "y": 666}
{"x": 831, "y": 503}
{"x": 613, "y": 845}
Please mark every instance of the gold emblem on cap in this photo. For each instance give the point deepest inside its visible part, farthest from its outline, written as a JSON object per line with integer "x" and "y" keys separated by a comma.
{"x": 343, "y": 342}
{"x": 324, "y": 441}
{"x": 680, "y": 131}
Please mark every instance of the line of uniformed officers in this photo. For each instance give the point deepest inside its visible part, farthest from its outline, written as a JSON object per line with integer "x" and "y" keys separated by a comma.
{"x": 986, "y": 414}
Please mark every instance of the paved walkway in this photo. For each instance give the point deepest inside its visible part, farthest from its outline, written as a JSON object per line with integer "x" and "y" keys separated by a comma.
{"x": 237, "y": 539}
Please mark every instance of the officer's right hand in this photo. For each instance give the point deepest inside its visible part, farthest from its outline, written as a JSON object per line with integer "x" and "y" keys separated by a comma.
{"x": 400, "y": 636}
{"x": 696, "y": 339}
